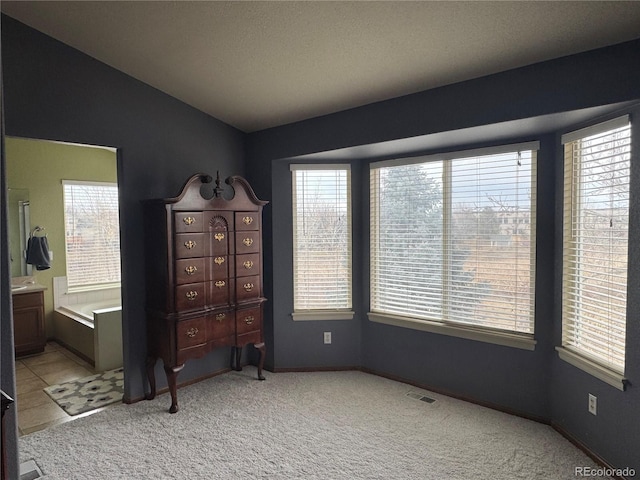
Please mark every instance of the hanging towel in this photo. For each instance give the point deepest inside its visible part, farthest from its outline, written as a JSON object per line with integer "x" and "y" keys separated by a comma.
{"x": 38, "y": 253}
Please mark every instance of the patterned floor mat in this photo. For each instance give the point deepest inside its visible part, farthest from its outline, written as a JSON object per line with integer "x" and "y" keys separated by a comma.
{"x": 88, "y": 393}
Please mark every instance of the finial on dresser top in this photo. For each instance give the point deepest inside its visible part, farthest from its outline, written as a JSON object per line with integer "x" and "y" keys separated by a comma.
{"x": 218, "y": 190}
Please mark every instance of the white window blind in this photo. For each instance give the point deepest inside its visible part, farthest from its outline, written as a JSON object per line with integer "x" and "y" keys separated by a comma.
{"x": 321, "y": 237}
{"x": 454, "y": 240}
{"x": 92, "y": 233}
{"x": 595, "y": 242}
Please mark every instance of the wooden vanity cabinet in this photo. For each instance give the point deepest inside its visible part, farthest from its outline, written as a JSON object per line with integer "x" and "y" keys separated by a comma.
{"x": 204, "y": 276}
{"x": 28, "y": 323}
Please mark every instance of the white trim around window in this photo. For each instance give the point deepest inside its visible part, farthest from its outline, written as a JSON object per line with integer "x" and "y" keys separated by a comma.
{"x": 322, "y": 245}
{"x": 323, "y": 315}
{"x": 597, "y": 165}
{"x": 92, "y": 234}
{"x": 592, "y": 368}
{"x": 506, "y": 339}
{"x": 453, "y": 243}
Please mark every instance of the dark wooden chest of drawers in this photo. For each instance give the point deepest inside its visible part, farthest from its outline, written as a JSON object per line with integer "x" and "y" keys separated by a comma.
{"x": 204, "y": 276}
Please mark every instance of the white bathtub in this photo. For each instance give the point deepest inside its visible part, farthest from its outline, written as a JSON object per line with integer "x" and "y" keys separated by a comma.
{"x": 92, "y": 330}
{"x": 87, "y": 311}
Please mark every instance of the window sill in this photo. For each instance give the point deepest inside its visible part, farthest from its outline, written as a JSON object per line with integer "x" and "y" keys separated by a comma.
{"x": 522, "y": 341}
{"x": 323, "y": 315}
{"x": 592, "y": 368}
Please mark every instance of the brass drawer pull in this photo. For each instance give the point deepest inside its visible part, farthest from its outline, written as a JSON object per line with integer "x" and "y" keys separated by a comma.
{"x": 190, "y": 244}
{"x": 189, "y": 220}
{"x": 248, "y": 264}
{"x": 220, "y": 283}
{"x": 249, "y": 320}
{"x": 191, "y": 269}
{"x": 220, "y": 317}
{"x": 192, "y": 332}
{"x": 248, "y": 241}
{"x": 219, "y": 236}
{"x": 247, "y": 220}
{"x": 219, "y": 260}
{"x": 248, "y": 287}
{"x": 191, "y": 295}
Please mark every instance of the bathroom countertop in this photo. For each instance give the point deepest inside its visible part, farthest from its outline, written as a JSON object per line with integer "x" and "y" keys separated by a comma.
{"x": 19, "y": 286}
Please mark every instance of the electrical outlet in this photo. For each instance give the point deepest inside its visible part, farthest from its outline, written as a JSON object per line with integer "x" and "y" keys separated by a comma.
{"x": 327, "y": 338}
{"x": 593, "y": 404}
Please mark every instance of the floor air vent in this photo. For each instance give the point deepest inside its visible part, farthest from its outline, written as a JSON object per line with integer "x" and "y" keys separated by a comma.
{"x": 419, "y": 396}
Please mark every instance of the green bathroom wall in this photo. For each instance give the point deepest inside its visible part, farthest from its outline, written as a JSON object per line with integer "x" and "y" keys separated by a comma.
{"x": 40, "y": 166}
{"x": 15, "y": 197}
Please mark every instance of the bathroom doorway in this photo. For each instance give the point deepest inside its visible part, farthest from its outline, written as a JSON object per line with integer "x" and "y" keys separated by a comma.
{"x": 77, "y": 344}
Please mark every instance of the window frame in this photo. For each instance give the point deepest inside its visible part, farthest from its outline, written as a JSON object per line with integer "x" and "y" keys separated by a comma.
{"x": 567, "y": 352}
{"x": 81, "y": 287}
{"x": 513, "y": 339}
{"x": 346, "y": 313}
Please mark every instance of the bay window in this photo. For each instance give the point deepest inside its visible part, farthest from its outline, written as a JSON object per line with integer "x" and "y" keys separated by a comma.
{"x": 453, "y": 241}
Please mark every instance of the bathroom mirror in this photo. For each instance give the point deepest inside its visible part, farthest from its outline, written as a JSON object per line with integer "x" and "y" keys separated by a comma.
{"x": 18, "y": 230}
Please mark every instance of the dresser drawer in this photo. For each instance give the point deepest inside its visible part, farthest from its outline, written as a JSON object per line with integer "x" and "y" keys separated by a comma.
{"x": 191, "y": 296}
{"x": 221, "y": 325}
{"x": 247, "y": 288}
{"x": 190, "y": 353}
{"x": 248, "y": 264}
{"x": 190, "y": 333}
{"x": 219, "y": 292}
{"x": 247, "y": 221}
{"x": 187, "y": 222}
{"x": 247, "y": 242}
{"x": 25, "y": 300}
{"x": 189, "y": 245}
{"x": 248, "y": 320}
{"x": 219, "y": 267}
{"x": 218, "y": 243}
{"x": 190, "y": 270}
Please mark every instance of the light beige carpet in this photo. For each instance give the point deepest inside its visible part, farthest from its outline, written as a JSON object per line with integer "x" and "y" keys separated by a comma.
{"x": 326, "y": 425}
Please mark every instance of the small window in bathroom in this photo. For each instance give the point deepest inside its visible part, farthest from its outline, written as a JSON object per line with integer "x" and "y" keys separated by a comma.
{"x": 92, "y": 233}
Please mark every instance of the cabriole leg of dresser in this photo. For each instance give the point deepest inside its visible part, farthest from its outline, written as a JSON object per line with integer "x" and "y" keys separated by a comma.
{"x": 172, "y": 377}
{"x": 263, "y": 350}
{"x": 232, "y": 358}
{"x": 238, "y": 367}
{"x": 151, "y": 375}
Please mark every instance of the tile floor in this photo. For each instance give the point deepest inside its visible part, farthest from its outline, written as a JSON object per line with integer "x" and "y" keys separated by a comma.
{"x": 36, "y": 410}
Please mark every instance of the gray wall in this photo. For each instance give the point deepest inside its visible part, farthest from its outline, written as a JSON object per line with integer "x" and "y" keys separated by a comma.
{"x": 537, "y": 102}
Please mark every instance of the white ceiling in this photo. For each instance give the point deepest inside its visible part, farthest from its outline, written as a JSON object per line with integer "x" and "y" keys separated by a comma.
{"x": 256, "y": 65}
